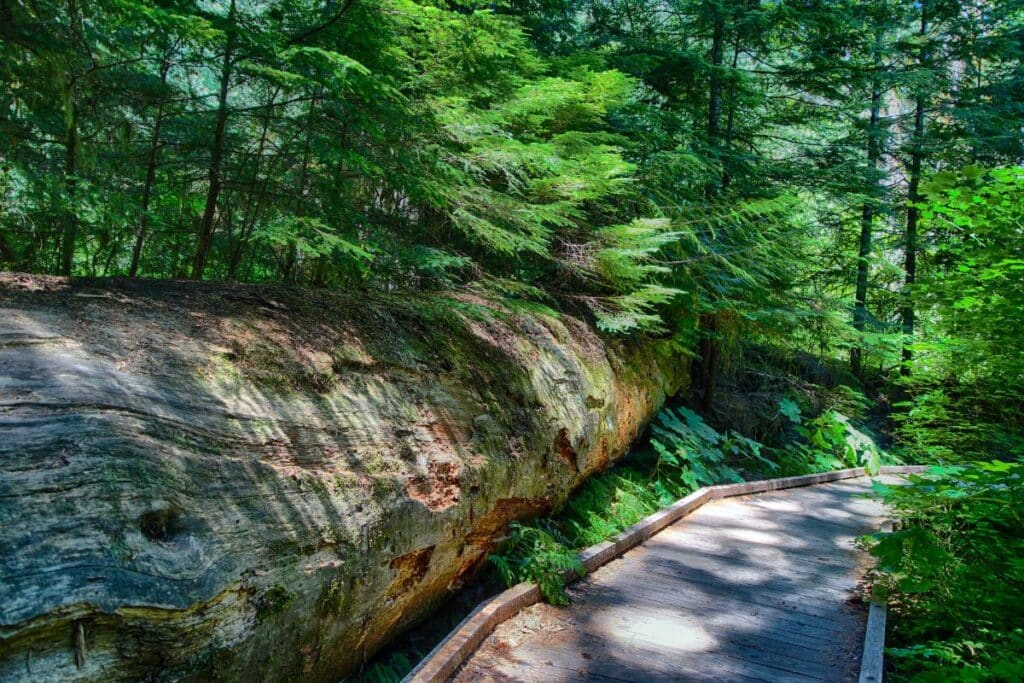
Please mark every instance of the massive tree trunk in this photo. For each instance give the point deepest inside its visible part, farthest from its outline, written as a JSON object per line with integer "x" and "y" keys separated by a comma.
{"x": 254, "y": 483}
{"x": 215, "y": 181}
{"x": 874, "y": 152}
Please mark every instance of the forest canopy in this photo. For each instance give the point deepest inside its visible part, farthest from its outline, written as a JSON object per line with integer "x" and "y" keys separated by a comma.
{"x": 627, "y": 158}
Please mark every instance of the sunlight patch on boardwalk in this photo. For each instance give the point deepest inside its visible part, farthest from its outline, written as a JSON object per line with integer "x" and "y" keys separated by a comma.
{"x": 763, "y": 587}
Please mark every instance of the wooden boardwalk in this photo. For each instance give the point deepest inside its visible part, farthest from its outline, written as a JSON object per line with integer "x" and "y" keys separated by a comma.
{"x": 757, "y": 588}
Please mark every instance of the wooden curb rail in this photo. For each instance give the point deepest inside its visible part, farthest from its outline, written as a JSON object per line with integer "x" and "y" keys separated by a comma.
{"x": 872, "y": 662}
{"x": 441, "y": 663}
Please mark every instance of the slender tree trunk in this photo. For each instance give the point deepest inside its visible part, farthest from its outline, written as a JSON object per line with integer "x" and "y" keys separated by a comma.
{"x": 860, "y": 311}
{"x": 206, "y": 224}
{"x": 151, "y": 163}
{"x": 708, "y": 351}
{"x": 252, "y": 212}
{"x": 291, "y": 272}
{"x": 71, "y": 152}
{"x": 715, "y": 92}
{"x": 70, "y": 232}
{"x": 730, "y": 118}
{"x": 913, "y": 197}
{"x": 709, "y": 361}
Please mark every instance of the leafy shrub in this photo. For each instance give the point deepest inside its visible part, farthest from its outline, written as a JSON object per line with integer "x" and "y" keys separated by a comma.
{"x": 935, "y": 427}
{"x": 694, "y": 454}
{"x": 829, "y": 441}
{"x": 956, "y": 572}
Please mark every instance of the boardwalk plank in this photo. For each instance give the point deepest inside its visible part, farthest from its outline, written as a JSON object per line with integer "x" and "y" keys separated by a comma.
{"x": 727, "y": 639}
{"x": 692, "y": 589}
{"x": 738, "y": 616}
{"x": 743, "y": 589}
{"x": 810, "y": 590}
{"x": 722, "y": 607}
{"x": 810, "y": 560}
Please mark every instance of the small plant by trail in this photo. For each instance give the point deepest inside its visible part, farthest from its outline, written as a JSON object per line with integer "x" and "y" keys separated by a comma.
{"x": 955, "y": 571}
{"x": 830, "y": 441}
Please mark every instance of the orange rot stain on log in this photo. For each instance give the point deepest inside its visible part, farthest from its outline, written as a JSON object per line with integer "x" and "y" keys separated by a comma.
{"x": 411, "y": 568}
{"x": 439, "y": 489}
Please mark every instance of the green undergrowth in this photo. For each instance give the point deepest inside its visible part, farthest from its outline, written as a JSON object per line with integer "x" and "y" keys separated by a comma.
{"x": 955, "y": 573}
{"x": 682, "y": 454}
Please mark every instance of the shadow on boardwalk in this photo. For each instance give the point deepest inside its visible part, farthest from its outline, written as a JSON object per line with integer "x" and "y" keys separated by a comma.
{"x": 757, "y": 588}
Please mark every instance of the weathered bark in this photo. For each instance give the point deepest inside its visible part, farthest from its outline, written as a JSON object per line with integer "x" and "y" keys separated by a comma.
{"x": 253, "y": 483}
{"x": 214, "y": 179}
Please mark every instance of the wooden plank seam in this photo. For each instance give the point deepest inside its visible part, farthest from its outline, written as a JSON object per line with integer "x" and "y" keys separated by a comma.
{"x": 441, "y": 662}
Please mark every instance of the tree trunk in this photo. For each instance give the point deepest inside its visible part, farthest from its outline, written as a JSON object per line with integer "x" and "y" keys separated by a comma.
{"x": 214, "y": 548}
{"x": 151, "y": 162}
{"x": 708, "y": 351}
{"x": 291, "y": 272}
{"x": 913, "y": 197}
{"x": 709, "y": 361}
{"x": 252, "y": 211}
{"x": 715, "y": 92}
{"x": 860, "y": 311}
{"x": 216, "y": 155}
{"x": 730, "y": 118}
{"x": 70, "y": 232}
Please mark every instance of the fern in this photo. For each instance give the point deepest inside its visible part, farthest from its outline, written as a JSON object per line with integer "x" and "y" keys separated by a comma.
{"x": 538, "y": 553}
{"x": 830, "y": 441}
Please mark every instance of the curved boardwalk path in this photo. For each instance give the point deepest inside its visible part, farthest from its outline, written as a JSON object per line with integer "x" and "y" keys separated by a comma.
{"x": 755, "y": 588}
